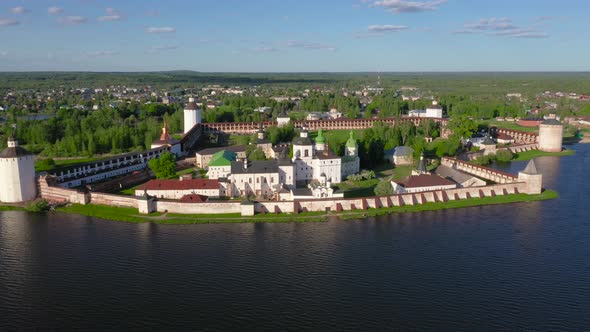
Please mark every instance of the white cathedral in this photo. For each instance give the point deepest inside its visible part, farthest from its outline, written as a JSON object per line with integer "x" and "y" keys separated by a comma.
{"x": 313, "y": 161}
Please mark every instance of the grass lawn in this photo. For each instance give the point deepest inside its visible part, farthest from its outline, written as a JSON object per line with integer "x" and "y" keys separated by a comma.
{"x": 189, "y": 170}
{"x": 527, "y": 155}
{"x": 361, "y": 188}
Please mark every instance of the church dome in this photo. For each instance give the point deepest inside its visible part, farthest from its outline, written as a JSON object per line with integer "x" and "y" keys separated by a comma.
{"x": 351, "y": 143}
{"x": 320, "y": 139}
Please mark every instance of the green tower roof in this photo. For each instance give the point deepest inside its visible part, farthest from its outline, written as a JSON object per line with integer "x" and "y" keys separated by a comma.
{"x": 320, "y": 139}
{"x": 351, "y": 143}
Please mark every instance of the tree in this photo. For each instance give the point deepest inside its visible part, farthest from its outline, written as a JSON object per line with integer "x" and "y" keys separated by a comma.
{"x": 504, "y": 155}
{"x": 384, "y": 188}
{"x": 462, "y": 126}
{"x": 45, "y": 165}
{"x": 257, "y": 154}
{"x": 165, "y": 166}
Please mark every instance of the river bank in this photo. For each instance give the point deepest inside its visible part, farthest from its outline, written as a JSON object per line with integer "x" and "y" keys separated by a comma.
{"x": 532, "y": 154}
{"x": 131, "y": 215}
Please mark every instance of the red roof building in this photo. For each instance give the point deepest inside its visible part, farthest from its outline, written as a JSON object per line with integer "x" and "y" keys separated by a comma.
{"x": 422, "y": 182}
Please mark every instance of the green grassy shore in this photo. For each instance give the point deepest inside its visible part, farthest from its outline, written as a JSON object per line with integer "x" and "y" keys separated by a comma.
{"x": 132, "y": 215}
{"x": 531, "y": 154}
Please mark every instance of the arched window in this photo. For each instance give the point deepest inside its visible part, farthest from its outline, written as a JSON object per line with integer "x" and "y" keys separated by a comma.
{"x": 306, "y": 153}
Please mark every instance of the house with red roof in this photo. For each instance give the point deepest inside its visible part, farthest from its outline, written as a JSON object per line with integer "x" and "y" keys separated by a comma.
{"x": 177, "y": 189}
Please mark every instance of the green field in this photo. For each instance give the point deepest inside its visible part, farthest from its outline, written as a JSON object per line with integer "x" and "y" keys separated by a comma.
{"x": 527, "y": 155}
{"x": 508, "y": 125}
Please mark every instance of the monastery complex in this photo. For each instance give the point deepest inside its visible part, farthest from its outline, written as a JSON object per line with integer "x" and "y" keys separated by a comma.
{"x": 302, "y": 182}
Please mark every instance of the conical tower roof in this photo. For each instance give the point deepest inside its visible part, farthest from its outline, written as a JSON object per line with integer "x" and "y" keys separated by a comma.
{"x": 531, "y": 168}
{"x": 191, "y": 106}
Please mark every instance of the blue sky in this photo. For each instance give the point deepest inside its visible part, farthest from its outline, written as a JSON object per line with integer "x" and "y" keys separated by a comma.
{"x": 292, "y": 36}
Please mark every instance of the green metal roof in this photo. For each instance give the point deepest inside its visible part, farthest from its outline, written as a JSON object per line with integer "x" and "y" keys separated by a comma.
{"x": 320, "y": 138}
{"x": 222, "y": 158}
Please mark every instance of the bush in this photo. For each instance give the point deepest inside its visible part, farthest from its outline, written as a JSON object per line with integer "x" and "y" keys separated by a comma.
{"x": 384, "y": 188}
{"x": 165, "y": 166}
{"x": 38, "y": 206}
{"x": 44, "y": 165}
{"x": 504, "y": 156}
{"x": 483, "y": 160}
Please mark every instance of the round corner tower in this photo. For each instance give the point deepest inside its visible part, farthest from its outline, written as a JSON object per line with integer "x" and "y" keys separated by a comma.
{"x": 550, "y": 136}
{"x": 17, "y": 174}
{"x": 192, "y": 115}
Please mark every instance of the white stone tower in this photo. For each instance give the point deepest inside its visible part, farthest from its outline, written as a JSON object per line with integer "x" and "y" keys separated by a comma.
{"x": 550, "y": 136}
{"x": 192, "y": 115}
{"x": 17, "y": 174}
{"x": 532, "y": 178}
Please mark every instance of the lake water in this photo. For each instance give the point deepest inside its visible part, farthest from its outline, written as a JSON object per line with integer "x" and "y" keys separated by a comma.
{"x": 509, "y": 267}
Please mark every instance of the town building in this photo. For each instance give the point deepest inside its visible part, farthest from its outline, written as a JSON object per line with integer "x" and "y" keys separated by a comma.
{"x": 462, "y": 179}
{"x": 17, "y": 173}
{"x": 283, "y": 119}
{"x": 178, "y": 188}
{"x": 253, "y": 178}
{"x": 220, "y": 164}
{"x": 400, "y": 156}
{"x": 203, "y": 157}
{"x": 421, "y": 180}
{"x": 432, "y": 111}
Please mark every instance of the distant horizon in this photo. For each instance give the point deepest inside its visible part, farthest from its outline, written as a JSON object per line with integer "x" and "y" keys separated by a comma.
{"x": 302, "y": 72}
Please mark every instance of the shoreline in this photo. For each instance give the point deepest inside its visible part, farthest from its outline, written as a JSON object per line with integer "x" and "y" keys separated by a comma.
{"x": 131, "y": 215}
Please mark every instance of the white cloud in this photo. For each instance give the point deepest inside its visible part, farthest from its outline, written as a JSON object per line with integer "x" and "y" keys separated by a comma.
{"x": 112, "y": 15}
{"x": 266, "y": 49}
{"x": 5, "y": 22}
{"x": 54, "y": 10}
{"x": 156, "y": 49}
{"x": 73, "y": 20}
{"x": 110, "y": 18}
{"x": 160, "y": 30}
{"x": 3, "y": 53}
{"x": 521, "y": 33}
{"x": 386, "y": 28}
{"x": 403, "y": 6}
{"x": 102, "y": 53}
{"x": 19, "y": 10}
{"x": 492, "y": 24}
{"x": 503, "y": 27}
{"x": 309, "y": 45}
